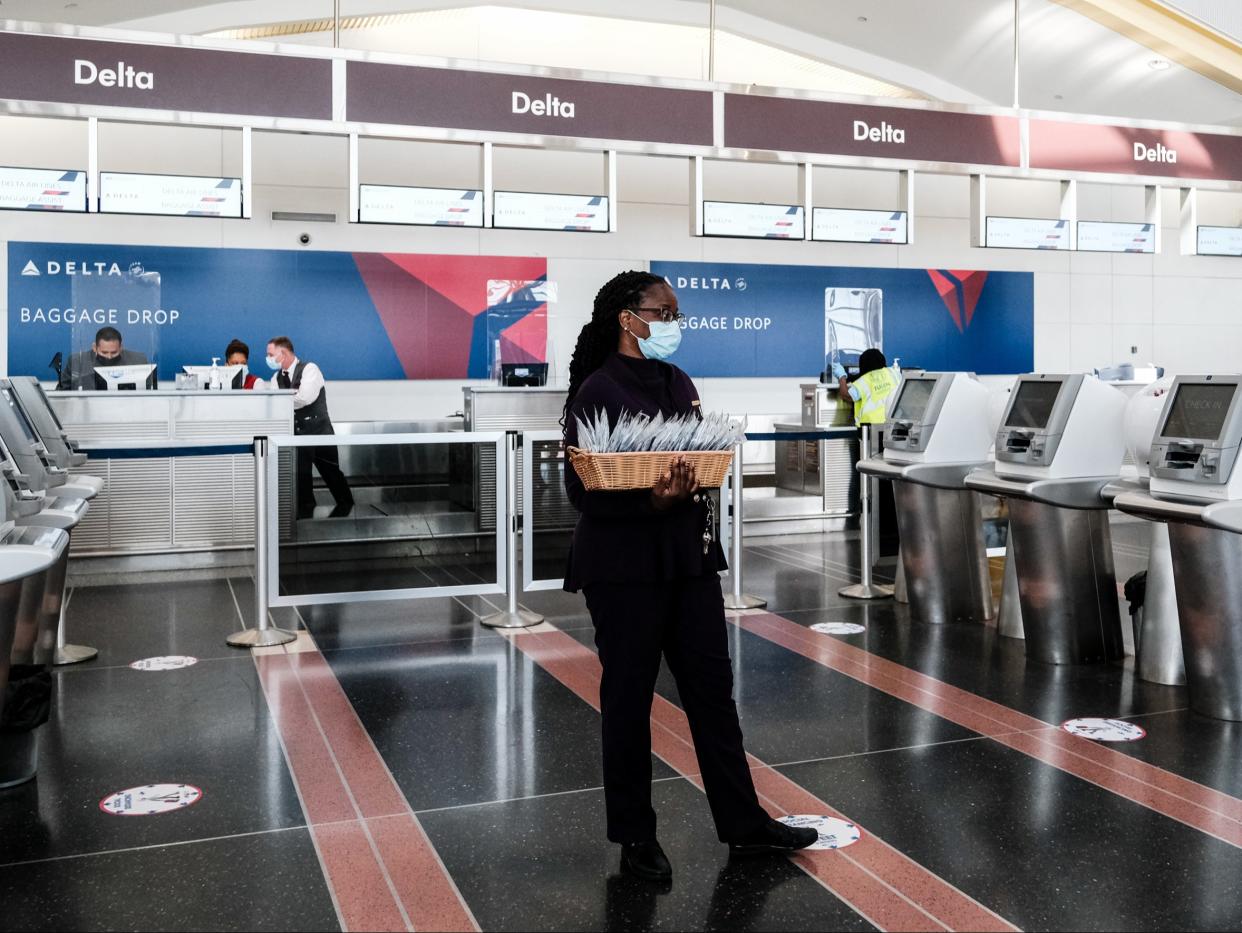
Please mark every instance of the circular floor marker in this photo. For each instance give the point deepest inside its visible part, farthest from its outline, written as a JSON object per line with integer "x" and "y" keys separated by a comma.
{"x": 1104, "y": 730}
{"x": 838, "y": 628}
{"x": 167, "y": 662}
{"x": 833, "y": 833}
{"x": 151, "y": 799}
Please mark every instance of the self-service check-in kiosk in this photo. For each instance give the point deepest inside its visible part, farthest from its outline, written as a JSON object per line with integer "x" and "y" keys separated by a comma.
{"x": 937, "y": 434}
{"x": 1196, "y": 488}
{"x": 32, "y": 587}
{"x": 38, "y": 409}
{"x": 1061, "y": 441}
{"x": 42, "y": 498}
{"x": 32, "y": 458}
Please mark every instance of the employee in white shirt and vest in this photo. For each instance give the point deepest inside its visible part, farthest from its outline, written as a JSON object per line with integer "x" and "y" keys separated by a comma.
{"x": 310, "y": 416}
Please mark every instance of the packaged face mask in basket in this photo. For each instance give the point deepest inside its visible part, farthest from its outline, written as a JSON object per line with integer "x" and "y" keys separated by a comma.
{"x": 634, "y": 452}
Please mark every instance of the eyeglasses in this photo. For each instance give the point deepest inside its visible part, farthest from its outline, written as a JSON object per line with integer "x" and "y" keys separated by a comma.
{"x": 667, "y": 315}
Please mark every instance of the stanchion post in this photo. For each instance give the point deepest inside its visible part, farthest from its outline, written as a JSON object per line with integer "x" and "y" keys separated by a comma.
{"x": 866, "y": 589}
{"x": 66, "y": 653}
{"x": 264, "y": 634}
{"x": 736, "y": 599}
{"x": 512, "y": 616}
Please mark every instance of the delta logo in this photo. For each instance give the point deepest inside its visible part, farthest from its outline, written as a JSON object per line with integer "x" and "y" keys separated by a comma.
{"x": 960, "y": 291}
{"x": 74, "y": 267}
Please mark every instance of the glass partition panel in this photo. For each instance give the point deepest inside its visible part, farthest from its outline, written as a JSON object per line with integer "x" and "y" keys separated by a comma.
{"x": 548, "y": 518}
{"x": 369, "y": 517}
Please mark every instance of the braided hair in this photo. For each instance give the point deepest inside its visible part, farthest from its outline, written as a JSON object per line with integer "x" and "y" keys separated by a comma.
{"x": 600, "y": 335}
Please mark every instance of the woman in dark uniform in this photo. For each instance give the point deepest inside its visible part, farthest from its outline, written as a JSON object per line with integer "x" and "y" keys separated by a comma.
{"x": 648, "y": 563}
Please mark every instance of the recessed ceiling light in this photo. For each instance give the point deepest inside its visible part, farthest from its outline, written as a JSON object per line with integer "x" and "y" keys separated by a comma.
{"x": 862, "y": 19}
{"x": 1058, "y": 96}
{"x": 1159, "y": 64}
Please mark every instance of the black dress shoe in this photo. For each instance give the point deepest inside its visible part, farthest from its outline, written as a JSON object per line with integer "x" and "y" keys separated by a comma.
{"x": 341, "y": 510}
{"x": 646, "y": 860}
{"x": 774, "y": 837}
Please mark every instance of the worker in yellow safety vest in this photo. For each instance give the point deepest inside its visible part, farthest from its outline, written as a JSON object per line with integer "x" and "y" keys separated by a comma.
{"x": 876, "y": 383}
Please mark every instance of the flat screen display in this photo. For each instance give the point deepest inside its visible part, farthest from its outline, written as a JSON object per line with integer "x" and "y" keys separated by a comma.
{"x": 912, "y": 402}
{"x": 524, "y": 210}
{"x": 1219, "y": 241}
{"x": 169, "y": 195}
{"x": 42, "y": 189}
{"x": 434, "y": 207}
{"x": 1199, "y": 411}
{"x": 1026, "y": 233}
{"x": 1032, "y": 405}
{"x": 1096, "y": 236}
{"x": 754, "y": 221}
{"x": 835, "y": 224}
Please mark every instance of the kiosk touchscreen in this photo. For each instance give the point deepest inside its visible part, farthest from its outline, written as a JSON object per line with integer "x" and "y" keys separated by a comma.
{"x": 1195, "y": 448}
{"x": 939, "y": 418}
{"x": 1061, "y": 427}
{"x": 127, "y": 377}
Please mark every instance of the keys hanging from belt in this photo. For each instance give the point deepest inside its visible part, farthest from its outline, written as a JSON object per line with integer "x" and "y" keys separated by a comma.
{"x": 709, "y": 528}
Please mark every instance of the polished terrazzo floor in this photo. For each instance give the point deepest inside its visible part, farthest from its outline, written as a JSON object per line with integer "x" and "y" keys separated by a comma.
{"x": 402, "y": 767}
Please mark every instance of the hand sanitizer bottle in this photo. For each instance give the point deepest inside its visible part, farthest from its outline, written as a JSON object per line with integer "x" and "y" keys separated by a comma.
{"x": 214, "y": 382}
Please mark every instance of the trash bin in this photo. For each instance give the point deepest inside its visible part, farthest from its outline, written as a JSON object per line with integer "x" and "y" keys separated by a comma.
{"x": 31, "y": 589}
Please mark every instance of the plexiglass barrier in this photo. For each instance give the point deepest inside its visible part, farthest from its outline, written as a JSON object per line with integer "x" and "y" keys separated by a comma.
{"x": 547, "y": 518}
{"x": 369, "y": 517}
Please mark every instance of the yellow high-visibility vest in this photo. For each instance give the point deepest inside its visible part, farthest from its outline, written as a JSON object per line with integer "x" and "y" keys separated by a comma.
{"x": 874, "y": 390}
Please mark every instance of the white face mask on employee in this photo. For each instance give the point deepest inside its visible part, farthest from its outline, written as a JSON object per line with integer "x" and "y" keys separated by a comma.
{"x": 273, "y": 363}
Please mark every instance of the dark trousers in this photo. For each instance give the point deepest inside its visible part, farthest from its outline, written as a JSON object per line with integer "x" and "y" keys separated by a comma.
{"x": 327, "y": 461}
{"x": 683, "y": 621}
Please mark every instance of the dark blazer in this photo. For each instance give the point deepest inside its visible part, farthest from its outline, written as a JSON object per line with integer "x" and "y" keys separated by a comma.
{"x": 620, "y": 537}
{"x": 79, "y": 373}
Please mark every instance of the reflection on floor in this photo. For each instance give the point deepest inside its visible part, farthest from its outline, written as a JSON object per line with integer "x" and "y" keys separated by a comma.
{"x": 401, "y": 767}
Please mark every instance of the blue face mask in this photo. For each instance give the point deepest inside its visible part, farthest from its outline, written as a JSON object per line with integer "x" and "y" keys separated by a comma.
{"x": 664, "y": 339}
{"x": 272, "y": 363}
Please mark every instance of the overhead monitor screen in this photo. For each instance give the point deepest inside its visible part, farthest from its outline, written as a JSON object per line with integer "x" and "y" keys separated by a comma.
{"x": 756, "y": 221}
{"x": 912, "y": 402}
{"x": 42, "y": 189}
{"x": 1100, "y": 237}
{"x": 435, "y": 207}
{"x": 1026, "y": 233}
{"x": 171, "y": 195}
{"x": 1032, "y": 405}
{"x": 525, "y": 210}
{"x": 1199, "y": 410}
{"x": 839, "y": 225}
{"x": 27, "y": 430}
{"x": 1219, "y": 241}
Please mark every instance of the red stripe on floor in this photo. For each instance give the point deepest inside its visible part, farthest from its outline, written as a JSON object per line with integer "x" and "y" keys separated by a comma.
{"x": 377, "y": 860}
{"x": 1201, "y": 807}
{"x": 883, "y": 885}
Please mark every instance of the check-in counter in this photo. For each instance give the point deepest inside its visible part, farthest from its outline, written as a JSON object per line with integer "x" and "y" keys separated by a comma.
{"x": 165, "y": 502}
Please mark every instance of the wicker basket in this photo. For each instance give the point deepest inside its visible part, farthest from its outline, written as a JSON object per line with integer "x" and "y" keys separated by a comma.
{"x": 641, "y": 470}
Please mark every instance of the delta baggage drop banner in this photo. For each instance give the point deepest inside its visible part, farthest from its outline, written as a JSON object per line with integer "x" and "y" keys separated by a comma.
{"x": 358, "y": 315}
{"x": 768, "y": 320}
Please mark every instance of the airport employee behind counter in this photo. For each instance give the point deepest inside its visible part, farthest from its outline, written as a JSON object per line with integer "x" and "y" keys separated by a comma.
{"x": 872, "y": 388}
{"x": 310, "y": 416}
{"x": 105, "y": 351}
